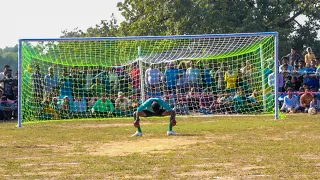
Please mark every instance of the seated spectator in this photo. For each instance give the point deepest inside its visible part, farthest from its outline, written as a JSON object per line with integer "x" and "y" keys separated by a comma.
{"x": 80, "y": 107}
{"x": 97, "y": 89}
{"x": 290, "y": 103}
{"x": 315, "y": 103}
{"x": 48, "y": 111}
{"x": 103, "y": 107}
{"x": 225, "y": 104}
{"x": 170, "y": 100}
{"x": 207, "y": 103}
{"x": 271, "y": 81}
{"x": 305, "y": 101}
{"x": 181, "y": 103}
{"x": 65, "y": 108}
{"x": 6, "y": 108}
{"x": 293, "y": 84}
{"x": 240, "y": 102}
{"x": 123, "y": 106}
{"x": 193, "y": 99}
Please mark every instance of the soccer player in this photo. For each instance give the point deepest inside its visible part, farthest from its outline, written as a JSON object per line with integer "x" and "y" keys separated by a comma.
{"x": 154, "y": 107}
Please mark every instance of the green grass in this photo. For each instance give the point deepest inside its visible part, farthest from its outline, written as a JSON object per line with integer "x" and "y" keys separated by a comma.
{"x": 207, "y": 148}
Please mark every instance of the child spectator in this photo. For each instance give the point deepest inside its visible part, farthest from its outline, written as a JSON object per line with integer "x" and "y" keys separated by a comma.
{"x": 230, "y": 78}
{"x": 309, "y": 57}
{"x": 315, "y": 103}
{"x": 193, "y": 99}
{"x": 65, "y": 107}
{"x": 290, "y": 103}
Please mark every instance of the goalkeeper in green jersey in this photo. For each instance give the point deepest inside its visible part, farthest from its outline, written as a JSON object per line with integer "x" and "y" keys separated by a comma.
{"x": 154, "y": 107}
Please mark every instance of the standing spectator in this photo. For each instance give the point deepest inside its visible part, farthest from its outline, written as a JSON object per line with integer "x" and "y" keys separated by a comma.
{"x": 114, "y": 80}
{"x": 219, "y": 76}
{"x": 293, "y": 84}
{"x": 104, "y": 79}
{"x": 78, "y": 82}
{"x": 230, "y": 78}
{"x": 294, "y": 57}
{"x": 285, "y": 66}
{"x": 311, "y": 75}
{"x": 50, "y": 83}
{"x": 153, "y": 79}
{"x": 171, "y": 76}
{"x": 124, "y": 79}
{"x": 309, "y": 57}
{"x": 66, "y": 85}
{"x": 193, "y": 76}
{"x": 135, "y": 76}
{"x": 9, "y": 84}
{"x": 315, "y": 103}
{"x": 208, "y": 81}
{"x": 103, "y": 107}
{"x": 301, "y": 71}
{"x": 122, "y": 106}
{"x": 4, "y": 73}
{"x": 318, "y": 75}
{"x": 290, "y": 102}
{"x": 305, "y": 101}
{"x": 271, "y": 80}
{"x": 97, "y": 89}
{"x": 37, "y": 80}
{"x": 89, "y": 77}
{"x": 182, "y": 81}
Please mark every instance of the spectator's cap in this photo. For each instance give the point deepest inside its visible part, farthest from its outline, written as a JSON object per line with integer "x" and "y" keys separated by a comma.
{"x": 55, "y": 99}
{"x": 65, "y": 97}
{"x": 308, "y": 49}
{"x": 4, "y": 98}
{"x": 120, "y": 94}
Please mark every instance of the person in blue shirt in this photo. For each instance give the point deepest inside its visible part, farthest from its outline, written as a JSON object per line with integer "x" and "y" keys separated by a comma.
{"x": 154, "y": 107}
{"x": 311, "y": 75}
{"x": 171, "y": 76}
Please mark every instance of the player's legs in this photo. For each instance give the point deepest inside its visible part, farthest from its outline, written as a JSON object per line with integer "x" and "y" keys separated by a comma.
{"x": 136, "y": 123}
{"x": 173, "y": 121}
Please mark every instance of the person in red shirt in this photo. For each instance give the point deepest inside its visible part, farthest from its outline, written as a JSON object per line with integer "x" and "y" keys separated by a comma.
{"x": 135, "y": 76}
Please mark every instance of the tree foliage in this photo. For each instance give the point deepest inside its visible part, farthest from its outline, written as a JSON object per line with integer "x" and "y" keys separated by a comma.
{"x": 177, "y": 17}
{"x": 9, "y": 55}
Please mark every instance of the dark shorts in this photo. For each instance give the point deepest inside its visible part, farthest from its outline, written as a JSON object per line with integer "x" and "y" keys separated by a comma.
{"x": 149, "y": 113}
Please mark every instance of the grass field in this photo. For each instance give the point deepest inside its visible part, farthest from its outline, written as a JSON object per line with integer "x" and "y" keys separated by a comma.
{"x": 207, "y": 148}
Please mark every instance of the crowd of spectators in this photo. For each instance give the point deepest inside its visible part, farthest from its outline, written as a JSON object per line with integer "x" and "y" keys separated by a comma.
{"x": 205, "y": 87}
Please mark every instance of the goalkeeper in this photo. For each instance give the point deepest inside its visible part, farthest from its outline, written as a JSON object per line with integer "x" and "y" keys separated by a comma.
{"x": 154, "y": 107}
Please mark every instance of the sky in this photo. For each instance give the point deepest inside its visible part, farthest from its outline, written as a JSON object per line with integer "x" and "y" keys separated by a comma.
{"x": 47, "y": 18}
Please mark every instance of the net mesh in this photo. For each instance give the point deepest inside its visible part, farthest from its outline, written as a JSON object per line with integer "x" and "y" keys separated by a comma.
{"x": 111, "y": 78}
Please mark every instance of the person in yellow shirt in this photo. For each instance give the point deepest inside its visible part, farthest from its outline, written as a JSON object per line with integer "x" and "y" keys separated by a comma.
{"x": 309, "y": 57}
{"x": 230, "y": 78}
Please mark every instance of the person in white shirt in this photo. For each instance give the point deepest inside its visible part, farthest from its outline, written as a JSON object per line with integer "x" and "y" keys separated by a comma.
{"x": 285, "y": 61}
{"x": 153, "y": 79}
{"x": 3, "y": 74}
{"x": 290, "y": 102}
{"x": 315, "y": 103}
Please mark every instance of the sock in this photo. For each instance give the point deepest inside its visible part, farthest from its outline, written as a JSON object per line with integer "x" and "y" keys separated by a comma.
{"x": 170, "y": 127}
{"x": 139, "y": 129}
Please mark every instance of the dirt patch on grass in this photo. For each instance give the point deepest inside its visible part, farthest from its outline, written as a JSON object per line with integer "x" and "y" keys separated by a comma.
{"x": 197, "y": 173}
{"x": 311, "y": 156}
{"x": 142, "y": 146}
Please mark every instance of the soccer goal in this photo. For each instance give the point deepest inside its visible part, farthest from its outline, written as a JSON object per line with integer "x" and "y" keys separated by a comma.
{"x": 77, "y": 78}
